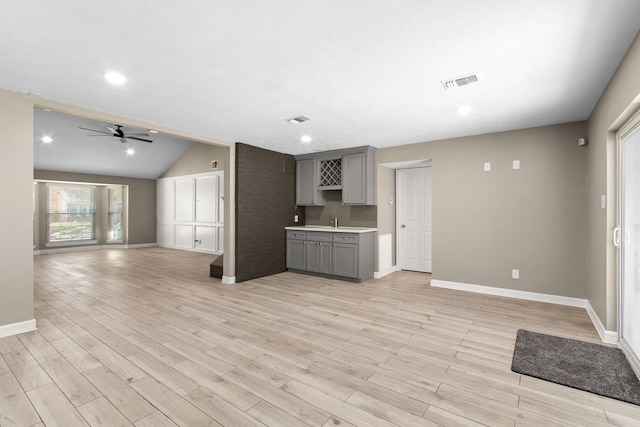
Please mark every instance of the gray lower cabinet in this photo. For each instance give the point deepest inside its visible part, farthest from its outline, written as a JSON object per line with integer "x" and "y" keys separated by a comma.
{"x": 343, "y": 255}
{"x": 297, "y": 250}
{"x": 345, "y": 260}
{"x": 319, "y": 252}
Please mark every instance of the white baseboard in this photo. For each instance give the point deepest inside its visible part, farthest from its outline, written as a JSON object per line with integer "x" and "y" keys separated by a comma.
{"x": 139, "y": 245}
{"x": 228, "y": 280}
{"x": 381, "y": 274}
{"x": 511, "y": 293}
{"x": 93, "y": 248}
{"x": 17, "y": 328}
{"x": 610, "y": 337}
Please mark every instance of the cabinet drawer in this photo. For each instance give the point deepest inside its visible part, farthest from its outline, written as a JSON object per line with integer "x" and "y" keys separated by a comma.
{"x": 345, "y": 238}
{"x": 297, "y": 235}
{"x": 319, "y": 236}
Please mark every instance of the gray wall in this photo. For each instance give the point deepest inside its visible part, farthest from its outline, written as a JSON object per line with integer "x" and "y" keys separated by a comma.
{"x": 620, "y": 99}
{"x": 352, "y": 216}
{"x": 142, "y": 202}
{"x": 16, "y": 171}
{"x": 487, "y": 223}
{"x": 197, "y": 159}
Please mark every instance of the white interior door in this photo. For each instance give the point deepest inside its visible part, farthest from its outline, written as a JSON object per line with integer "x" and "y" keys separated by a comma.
{"x": 414, "y": 223}
{"x": 629, "y": 243}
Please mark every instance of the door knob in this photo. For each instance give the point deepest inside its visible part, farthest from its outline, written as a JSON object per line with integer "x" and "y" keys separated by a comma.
{"x": 403, "y": 226}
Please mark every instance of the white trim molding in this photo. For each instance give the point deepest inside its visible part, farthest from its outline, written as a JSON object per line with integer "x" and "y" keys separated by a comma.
{"x": 511, "y": 293}
{"x": 93, "y": 248}
{"x": 610, "y": 337}
{"x": 17, "y": 328}
{"x": 381, "y": 274}
{"x": 229, "y": 280}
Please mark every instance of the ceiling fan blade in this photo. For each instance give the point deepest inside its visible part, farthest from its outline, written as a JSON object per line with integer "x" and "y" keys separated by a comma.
{"x": 112, "y": 130}
{"x": 139, "y": 139}
{"x": 104, "y": 134}
{"x": 136, "y": 134}
{"x": 123, "y": 140}
{"x": 94, "y": 130}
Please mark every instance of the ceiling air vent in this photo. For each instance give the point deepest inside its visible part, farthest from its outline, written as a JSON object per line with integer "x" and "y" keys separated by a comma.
{"x": 298, "y": 120}
{"x": 460, "y": 81}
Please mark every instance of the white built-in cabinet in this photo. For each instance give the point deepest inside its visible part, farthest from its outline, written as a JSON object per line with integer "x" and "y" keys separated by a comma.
{"x": 190, "y": 212}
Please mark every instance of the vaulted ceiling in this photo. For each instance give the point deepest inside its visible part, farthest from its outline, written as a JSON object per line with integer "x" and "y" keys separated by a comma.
{"x": 364, "y": 71}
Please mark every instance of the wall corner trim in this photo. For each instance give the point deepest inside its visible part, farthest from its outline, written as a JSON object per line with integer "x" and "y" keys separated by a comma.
{"x": 17, "y": 328}
{"x": 386, "y": 272}
{"x": 228, "y": 280}
{"x": 610, "y": 337}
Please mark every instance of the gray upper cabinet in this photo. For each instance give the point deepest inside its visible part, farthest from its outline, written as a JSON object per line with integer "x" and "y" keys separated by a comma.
{"x": 352, "y": 170}
{"x": 307, "y": 193}
{"x": 358, "y": 178}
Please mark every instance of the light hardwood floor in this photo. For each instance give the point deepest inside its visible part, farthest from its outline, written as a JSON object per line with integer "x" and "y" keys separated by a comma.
{"x": 144, "y": 337}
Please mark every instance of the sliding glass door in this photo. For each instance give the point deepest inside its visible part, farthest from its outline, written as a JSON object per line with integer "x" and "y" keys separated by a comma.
{"x": 628, "y": 237}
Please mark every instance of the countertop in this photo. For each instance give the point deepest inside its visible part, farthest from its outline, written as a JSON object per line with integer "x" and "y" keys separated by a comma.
{"x": 332, "y": 229}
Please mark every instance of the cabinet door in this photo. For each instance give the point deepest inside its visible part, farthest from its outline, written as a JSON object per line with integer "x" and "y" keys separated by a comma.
{"x": 296, "y": 254}
{"x": 325, "y": 261}
{"x": 184, "y": 236}
{"x": 206, "y": 195}
{"x": 166, "y": 234}
{"x": 345, "y": 260}
{"x": 166, "y": 203}
{"x": 307, "y": 193}
{"x": 320, "y": 257}
{"x": 184, "y": 199}
{"x": 354, "y": 190}
{"x": 205, "y": 238}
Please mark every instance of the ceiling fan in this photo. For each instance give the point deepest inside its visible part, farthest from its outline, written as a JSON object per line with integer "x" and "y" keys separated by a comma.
{"x": 118, "y": 133}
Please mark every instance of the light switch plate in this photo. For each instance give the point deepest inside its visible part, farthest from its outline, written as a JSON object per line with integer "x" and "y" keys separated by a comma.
{"x": 516, "y": 164}
{"x": 515, "y": 274}
{"x": 603, "y": 202}
{"x": 487, "y": 166}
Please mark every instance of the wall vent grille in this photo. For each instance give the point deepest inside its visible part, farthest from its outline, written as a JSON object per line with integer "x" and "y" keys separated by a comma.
{"x": 298, "y": 119}
{"x": 460, "y": 81}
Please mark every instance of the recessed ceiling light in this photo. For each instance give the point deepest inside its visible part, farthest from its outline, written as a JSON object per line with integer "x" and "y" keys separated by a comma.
{"x": 114, "y": 77}
{"x": 306, "y": 139}
{"x": 130, "y": 151}
{"x": 466, "y": 109}
{"x": 47, "y": 139}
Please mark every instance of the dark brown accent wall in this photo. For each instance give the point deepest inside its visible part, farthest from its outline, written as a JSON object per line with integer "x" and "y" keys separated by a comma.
{"x": 265, "y": 205}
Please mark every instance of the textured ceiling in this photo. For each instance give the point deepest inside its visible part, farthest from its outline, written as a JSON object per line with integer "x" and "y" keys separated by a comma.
{"x": 365, "y": 71}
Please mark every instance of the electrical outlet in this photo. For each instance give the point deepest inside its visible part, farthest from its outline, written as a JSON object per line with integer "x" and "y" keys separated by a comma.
{"x": 515, "y": 274}
{"x": 295, "y": 218}
{"x": 516, "y": 164}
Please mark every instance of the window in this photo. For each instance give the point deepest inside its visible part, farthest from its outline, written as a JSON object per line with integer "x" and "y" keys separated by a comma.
{"x": 71, "y": 213}
{"x": 115, "y": 212}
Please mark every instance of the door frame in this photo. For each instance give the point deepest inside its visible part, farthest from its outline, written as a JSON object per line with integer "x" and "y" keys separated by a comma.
{"x": 632, "y": 124}
{"x": 423, "y": 165}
